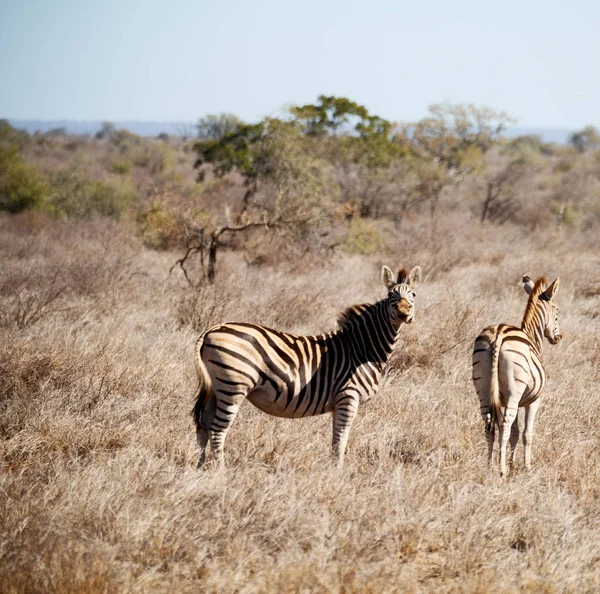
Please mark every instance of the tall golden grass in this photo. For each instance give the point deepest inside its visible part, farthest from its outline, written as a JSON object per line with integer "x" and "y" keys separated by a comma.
{"x": 98, "y": 489}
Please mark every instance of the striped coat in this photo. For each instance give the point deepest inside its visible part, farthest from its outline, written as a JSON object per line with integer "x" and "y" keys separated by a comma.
{"x": 292, "y": 376}
{"x": 508, "y": 371}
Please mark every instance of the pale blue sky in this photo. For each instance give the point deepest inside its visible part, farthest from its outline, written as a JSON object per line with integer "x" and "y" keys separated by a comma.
{"x": 179, "y": 60}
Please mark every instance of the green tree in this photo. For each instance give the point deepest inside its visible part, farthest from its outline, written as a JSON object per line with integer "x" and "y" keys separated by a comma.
{"x": 10, "y": 136}
{"x": 457, "y": 136}
{"x": 216, "y": 127}
{"x": 238, "y": 150}
{"x": 327, "y": 115}
{"x": 21, "y": 186}
{"x": 283, "y": 181}
{"x": 73, "y": 195}
{"x": 359, "y": 147}
{"x": 454, "y": 140}
{"x": 585, "y": 139}
{"x": 106, "y": 131}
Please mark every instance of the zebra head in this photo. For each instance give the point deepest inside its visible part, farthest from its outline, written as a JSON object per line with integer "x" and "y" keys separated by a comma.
{"x": 401, "y": 293}
{"x": 546, "y": 300}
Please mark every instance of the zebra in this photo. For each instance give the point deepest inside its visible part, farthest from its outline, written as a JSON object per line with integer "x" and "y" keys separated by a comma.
{"x": 292, "y": 376}
{"x": 508, "y": 372}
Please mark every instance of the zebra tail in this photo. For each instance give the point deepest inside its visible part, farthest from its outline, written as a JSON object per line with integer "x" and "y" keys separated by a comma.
{"x": 495, "y": 402}
{"x": 204, "y": 390}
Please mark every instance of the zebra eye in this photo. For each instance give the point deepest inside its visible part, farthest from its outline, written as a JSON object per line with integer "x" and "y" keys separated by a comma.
{"x": 413, "y": 294}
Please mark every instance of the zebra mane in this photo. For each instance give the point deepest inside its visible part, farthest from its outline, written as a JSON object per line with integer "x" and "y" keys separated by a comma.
{"x": 538, "y": 288}
{"x": 352, "y": 313}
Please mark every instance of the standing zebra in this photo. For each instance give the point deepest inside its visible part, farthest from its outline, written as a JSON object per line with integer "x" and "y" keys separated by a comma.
{"x": 508, "y": 370}
{"x": 299, "y": 376}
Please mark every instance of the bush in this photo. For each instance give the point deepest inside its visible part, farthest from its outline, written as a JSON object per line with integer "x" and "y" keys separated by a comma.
{"x": 12, "y": 136}
{"x": 121, "y": 167}
{"x": 160, "y": 229}
{"x": 75, "y": 196}
{"x": 361, "y": 238}
{"x": 21, "y": 185}
{"x": 156, "y": 157}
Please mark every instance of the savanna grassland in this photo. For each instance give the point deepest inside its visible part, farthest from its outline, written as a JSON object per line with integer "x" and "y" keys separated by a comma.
{"x": 98, "y": 486}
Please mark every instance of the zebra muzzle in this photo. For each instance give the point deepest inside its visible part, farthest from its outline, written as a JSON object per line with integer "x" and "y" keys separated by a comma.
{"x": 405, "y": 313}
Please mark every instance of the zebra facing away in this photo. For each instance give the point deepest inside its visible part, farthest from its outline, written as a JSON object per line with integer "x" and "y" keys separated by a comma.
{"x": 508, "y": 372}
{"x": 299, "y": 376}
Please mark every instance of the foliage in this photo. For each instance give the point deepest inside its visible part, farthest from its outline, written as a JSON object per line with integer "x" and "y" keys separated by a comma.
{"x": 273, "y": 158}
{"x": 163, "y": 219}
{"x": 586, "y": 139}
{"x": 21, "y": 186}
{"x": 531, "y": 143}
{"x": 501, "y": 186}
{"x": 457, "y": 136}
{"x": 106, "y": 131}
{"x": 576, "y": 192}
{"x": 121, "y": 166}
{"x": 155, "y": 156}
{"x": 61, "y": 131}
{"x": 294, "y": 179}
{"x": 217, "y": 127}
{"x": 270, "y": 154}
{"x": 450, "y": 144}
{"x": 361, "y": 238}
{"x": 75, "y": 196}
{"x": 329, "y": 114}
{"x": 234, "y": 151}
{"x": 159, "y": 227}
{"x": 359, "y": 147}
{"x": 10, "y": 136}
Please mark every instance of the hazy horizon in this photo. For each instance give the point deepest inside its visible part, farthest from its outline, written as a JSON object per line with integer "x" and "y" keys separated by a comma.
{"x": 154, "y": 128}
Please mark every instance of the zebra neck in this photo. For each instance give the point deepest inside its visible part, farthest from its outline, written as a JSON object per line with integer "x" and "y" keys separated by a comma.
{"x": 373, "y": 333}
{"x": 534, "y": 327}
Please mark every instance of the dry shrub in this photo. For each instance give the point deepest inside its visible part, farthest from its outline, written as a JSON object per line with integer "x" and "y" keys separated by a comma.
{"x": 24, "y": 373}
{"x": 591, "y": 289}
{"x": 444, "y": 339}
{"x": 74, "y": 195}
{"x": 164, "y": 217}
{"x": 47, "y": 263}
{"x": 285, "y": 311}
{"x": 200, "y": 308}
{"x": 361, "y": 238}
{"x": 27, "y": 296}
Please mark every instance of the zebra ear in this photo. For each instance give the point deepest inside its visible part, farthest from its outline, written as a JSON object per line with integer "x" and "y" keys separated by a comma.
{"x": 387, "y": 276}
{"x": 527, "y": 284}
{"x": 552, "y": 289}
{"x": 414, "y": 278}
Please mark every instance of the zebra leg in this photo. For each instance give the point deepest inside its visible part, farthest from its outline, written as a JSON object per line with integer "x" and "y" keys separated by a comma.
{"x": 226, "y": 409}
{"x": 490, "y": 428}
{"x": 202, "y": 439}
{"x": 202, "y": 434}
{"x": 510, "y": 414}
{"x": 530, "y": 412}
{"x": 346, "y": 406}
{"x": 490, "y": 434}
{"x": 514, "y": 438}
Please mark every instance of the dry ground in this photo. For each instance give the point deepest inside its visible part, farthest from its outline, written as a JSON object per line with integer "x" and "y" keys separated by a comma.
{"x": 98, "y": 490}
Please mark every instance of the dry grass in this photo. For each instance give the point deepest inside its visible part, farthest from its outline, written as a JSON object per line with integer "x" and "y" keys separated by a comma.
{"x": 98, "y": 490}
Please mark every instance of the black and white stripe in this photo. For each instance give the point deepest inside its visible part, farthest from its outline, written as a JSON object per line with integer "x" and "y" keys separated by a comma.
{"x": 508, "y": 371}
{"x": 299, "y": 376}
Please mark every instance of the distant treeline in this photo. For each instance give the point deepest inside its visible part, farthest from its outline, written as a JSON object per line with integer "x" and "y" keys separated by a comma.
{"x": 318, "y": 178}
{"x": 188, "y": 129}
